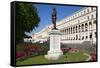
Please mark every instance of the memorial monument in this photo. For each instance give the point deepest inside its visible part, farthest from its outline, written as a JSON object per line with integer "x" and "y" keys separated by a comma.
{"x": 54, "y": 52}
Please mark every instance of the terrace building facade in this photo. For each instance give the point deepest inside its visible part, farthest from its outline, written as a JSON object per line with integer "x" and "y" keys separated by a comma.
{"x": 75, "y": 28}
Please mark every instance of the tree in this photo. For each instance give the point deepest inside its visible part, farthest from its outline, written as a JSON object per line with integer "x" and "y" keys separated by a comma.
{"x": 27, "y": 19}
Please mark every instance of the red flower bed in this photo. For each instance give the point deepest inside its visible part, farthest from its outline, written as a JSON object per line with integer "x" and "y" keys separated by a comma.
{"x": 33, "y": 48}
{"x": 19, "y": 54}
{"x": 65, "y": 49}
{"x": 28, "y": 49}
{"x": 73, "y": 50}
{"x": 93, "y": 56}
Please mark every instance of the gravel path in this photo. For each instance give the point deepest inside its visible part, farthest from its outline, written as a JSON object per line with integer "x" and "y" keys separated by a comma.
{"x": 89, "y": 57}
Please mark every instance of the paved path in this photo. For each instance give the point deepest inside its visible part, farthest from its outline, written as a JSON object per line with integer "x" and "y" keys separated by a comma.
{"x": 89, "y": 57}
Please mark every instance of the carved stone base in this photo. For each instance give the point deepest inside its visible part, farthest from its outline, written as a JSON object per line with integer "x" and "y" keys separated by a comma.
{"x": 55, "y": 52}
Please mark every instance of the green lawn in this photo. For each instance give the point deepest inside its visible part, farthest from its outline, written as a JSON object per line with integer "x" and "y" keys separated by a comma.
{"x": 75, "y": 57}
{"x": 68, "y": 57}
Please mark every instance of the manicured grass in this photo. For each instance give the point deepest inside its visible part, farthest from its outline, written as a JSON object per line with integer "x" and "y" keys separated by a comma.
{"x": 75, "y": 57}
{"x": 68, "y": 57}
{"x": 38, "y": 60}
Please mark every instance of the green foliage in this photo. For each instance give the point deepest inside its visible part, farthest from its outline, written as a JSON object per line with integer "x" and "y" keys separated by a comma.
{"x": 27, "y": 19}
{"x": 20, "y": 48}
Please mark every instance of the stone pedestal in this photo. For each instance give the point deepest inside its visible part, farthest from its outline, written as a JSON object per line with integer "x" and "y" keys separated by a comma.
{"x": 55, "y": 48}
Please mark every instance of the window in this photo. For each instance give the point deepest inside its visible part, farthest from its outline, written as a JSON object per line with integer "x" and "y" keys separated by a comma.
{"x": 94, "y": 21}
{"x": 82, "y": 27}
{"x": 73, "y": 29}
{"x": 69, "y": 30}
{"x": 87, "y": 17}
{"x": 95, "y": 34}
{"x": 88, "y": 10}
{"x": 83, "y": 38}
{"x": 90, "y": 23}
{"x": 91, "y": 16}
{"x": 86, "y": 37}
{"x": 76, "y": 37}
{"x": 90, "y": 35}
{"x": 76, "y": 29}
{"x": 65, "y": 31}
{"x": 91, "y": 8}
{"x": 79, "y": 28}
{"x": 73, "y": 17}
{"x": 86, "y": 27}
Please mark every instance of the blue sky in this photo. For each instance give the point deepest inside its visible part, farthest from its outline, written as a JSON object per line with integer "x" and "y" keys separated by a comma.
{"x": 44, "y": 12}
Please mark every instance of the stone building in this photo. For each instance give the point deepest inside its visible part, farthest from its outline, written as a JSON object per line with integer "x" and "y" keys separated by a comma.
{"x": 75, "y": 28}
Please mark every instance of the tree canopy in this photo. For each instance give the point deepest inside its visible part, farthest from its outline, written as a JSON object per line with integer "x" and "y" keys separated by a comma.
{"x": 27, "y": 19}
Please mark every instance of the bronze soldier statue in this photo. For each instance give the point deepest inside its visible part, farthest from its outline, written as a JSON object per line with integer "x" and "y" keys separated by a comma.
{"x": 54, "y": 14}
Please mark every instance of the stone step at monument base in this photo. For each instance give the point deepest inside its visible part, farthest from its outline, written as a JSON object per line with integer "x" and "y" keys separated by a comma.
{"x": 53, "y": 55}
